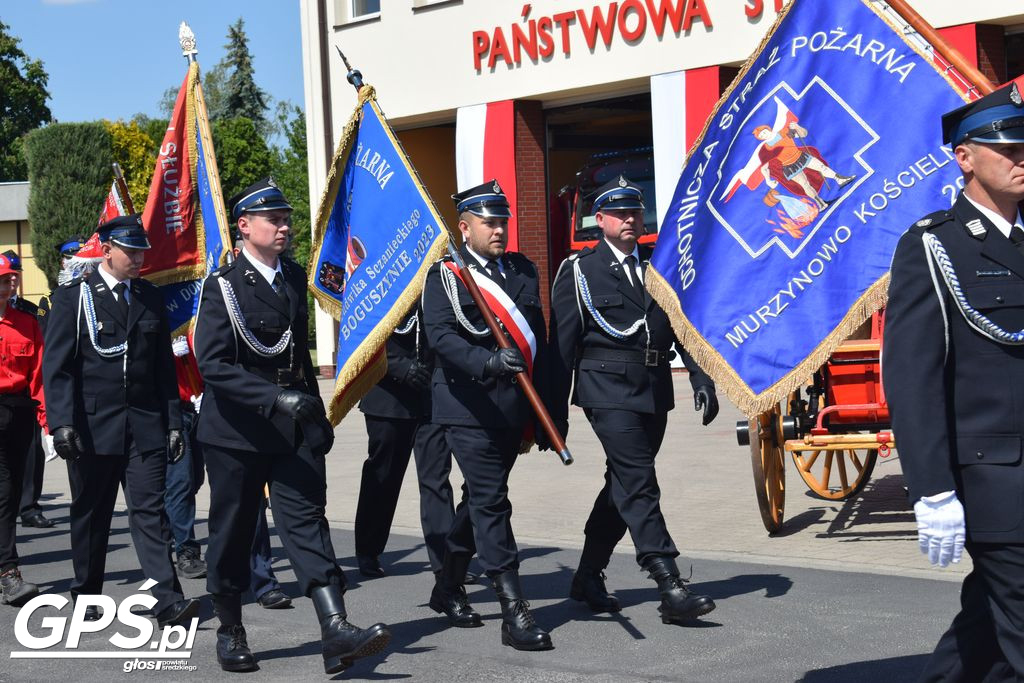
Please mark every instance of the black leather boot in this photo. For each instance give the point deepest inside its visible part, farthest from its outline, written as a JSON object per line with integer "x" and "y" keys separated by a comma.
{"x": 342, "y": 642}
{"x": 588, "y": 586}
{"x": 449, "y": 595}
{"x": 518, "y": 629}
{"x": 678, "y": 604}
{"x": 14, "y": 590}
{"x": 233, "y": 653}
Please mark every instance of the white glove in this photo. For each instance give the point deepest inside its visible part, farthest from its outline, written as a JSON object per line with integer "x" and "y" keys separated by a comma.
{"x": 179, "y": 346}
{"x": 48, "y": 450}
{"x": 196, "y": 401}
{"x": 940, "y": 528}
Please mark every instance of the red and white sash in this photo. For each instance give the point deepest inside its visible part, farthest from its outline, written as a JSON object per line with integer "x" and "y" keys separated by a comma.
{"x": 506, "y": 311}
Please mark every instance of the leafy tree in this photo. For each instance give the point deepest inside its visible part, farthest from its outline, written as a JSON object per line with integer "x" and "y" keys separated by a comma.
{"x": 70, "y": 174}
{"x": 135, "y": 151}
{"x": 23, "y": 107}
{"x": 214, "y": 82}
{"x": 242, "y": 155}
{"x": 291, "y": 172}
{"x": 242, "y": 97}
{"x": 154, "y": 128}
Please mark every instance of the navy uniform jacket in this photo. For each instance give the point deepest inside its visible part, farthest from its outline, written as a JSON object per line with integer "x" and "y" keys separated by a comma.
{"x": 607, "y": 383}
{"x": 460, "y": 394}
{"x": 101, "y": 397}
{"x": 241, "y": 386}
{"x": 391, "y": 397}
{"x": 957, "y": 397}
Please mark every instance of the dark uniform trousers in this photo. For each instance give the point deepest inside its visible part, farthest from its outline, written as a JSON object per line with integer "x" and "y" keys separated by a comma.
{"x": 626, "y": 401}
{"x": 483, "y": 418}
{"x": 16, "y": 426}
{"x": 122, "y": 407}
{"x": 32, "y": 484}
{"x": 248, "y": 444}
{"x": 955, "y": 398}
{"x": 397, "y": 423}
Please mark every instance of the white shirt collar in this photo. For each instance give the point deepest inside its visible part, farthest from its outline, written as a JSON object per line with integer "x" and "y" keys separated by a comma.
{"x": 484, "y": 261}
{"x": 622, "y": 257}
{"x": 266, "y": 271}
{"x": 1002, "y": 225}
{"x": 112, "y": 281}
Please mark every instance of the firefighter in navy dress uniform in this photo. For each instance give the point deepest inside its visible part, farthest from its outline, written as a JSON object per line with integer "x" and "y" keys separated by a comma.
{"x": 397, "y": 414}
{"x": 610, "y": 332}
{"x": 953, "y": 367}
{"x": 112, "y": 408}
{"x": 262, "y": 421}
{"x": 483, "y": 411}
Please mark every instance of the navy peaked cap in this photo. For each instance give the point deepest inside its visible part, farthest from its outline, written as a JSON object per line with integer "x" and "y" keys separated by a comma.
{"x": 995, "y": 118}
{"x": 263, "y": 195}
{"x": 486, "y": 200}
{"x": 620, "y": 193}
{"x": 125, "y": 231}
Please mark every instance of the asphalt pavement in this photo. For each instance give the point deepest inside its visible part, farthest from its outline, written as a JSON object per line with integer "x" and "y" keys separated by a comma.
{"x": 841, "y": 594}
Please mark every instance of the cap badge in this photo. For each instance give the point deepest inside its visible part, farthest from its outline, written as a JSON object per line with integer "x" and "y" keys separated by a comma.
{"x": 271, "y": 182}
{"x": 138, "y": 219}
{"x": 622, "y": 182}
{"x": 1015, "y": 95}
{"x": 497, "y": 188}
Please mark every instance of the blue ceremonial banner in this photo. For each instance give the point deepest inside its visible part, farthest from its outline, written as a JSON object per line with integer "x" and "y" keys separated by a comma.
{"x": 779, "y": 237}
{"x": 375, "y": 236}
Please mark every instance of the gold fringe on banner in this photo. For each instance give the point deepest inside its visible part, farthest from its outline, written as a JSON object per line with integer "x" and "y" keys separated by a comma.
{"x": 706, "y": 355}
{"x": 726, "y": 379}
{"x": 368, "y": 363}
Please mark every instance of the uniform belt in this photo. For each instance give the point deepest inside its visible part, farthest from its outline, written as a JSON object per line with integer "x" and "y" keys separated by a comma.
{"x": 282, "y": 377}
{"x": 649, "y": 357}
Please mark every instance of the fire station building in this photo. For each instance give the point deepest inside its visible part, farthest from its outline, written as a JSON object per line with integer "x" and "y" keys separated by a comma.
{"x": 553, "y": 98}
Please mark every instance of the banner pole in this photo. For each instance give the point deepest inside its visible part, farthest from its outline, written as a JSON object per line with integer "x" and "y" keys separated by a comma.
{"x": 951, "y": 54}
{"x": 122, "y": 189}
{"x": 522, "y": 378}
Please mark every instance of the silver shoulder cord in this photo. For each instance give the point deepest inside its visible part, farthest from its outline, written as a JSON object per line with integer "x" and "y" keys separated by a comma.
{"x": 236, "y": 317}
{"x": 583, "y": 294}
{"x": 85, "y": 305}
{"x": 975, "y": 318}
{"x": 451, "y": 288}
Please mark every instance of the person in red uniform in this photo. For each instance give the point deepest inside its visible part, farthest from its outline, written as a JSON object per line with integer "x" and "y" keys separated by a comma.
{"x": 21, "y": 396}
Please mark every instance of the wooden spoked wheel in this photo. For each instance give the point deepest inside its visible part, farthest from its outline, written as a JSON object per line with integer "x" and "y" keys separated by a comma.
{"x": 769, "y": 465}
{"x": 836, "y": 475}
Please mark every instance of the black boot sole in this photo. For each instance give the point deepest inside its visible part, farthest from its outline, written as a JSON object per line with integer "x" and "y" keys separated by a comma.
{"x": 183, "y": 619}
{"x": 580, "y": 596}
{"x": 699, "y": 611}
{"x": 507, "y": 639}
{"x": 473, "y": 623}
{"x": 19, "y": 600}
{"x": 373, "y": 645}
{"x": 239, "y": 667}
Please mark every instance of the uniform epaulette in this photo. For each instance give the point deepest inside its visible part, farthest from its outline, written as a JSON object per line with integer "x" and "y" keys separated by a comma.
{"x": 26, "y": 306}
{"x": 932, "y": 221}
{"x": 223, "y": 270}
{"x": 76, "y": 281}
{"x": 585, "y": 251}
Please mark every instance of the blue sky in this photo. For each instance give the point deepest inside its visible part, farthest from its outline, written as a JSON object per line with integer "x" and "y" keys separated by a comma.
{"x": 111, "y": 59}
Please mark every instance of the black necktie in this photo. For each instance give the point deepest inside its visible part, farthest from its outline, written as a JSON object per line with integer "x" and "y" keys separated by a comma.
{"x": 638, "y": 287}
{"x": 1017, "y": 237}
{"x": 495, "y": 273}
{"x": 122, "y": 301}
{"x": 281, "y": 290}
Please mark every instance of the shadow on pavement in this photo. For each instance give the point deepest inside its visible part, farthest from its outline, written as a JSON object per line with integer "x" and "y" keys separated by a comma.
{"x": 892, "y": 669}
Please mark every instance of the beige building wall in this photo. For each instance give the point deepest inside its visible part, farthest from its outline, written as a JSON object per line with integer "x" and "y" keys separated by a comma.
{"x": 16, "y": 235}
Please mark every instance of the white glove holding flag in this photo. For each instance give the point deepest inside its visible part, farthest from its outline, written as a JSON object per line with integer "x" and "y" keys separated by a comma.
{"x": 196, "y": 401}
{"x": 941, "y": 530}
{"x": 179, "y": 345}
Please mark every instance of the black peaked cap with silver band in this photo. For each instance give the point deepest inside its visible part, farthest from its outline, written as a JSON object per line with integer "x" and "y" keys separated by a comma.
{"x": 995, "y": 118}
{"x": 486, "y": 200}
{"x": 619, "y": 194}
{"x": 125, "y": 231}
{"x": 263, "y": 195}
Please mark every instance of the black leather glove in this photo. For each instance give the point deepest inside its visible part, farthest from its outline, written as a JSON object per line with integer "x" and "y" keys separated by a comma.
{"x": 705, "y": 398}
{"x": 299, "y": 406}
{"x": 68, "y": 443}
{"x": 175, "y": 446}
{"x": 417, "y": 376}
{"x": 504, "y": 363}
{"x": 540, "y": 437}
